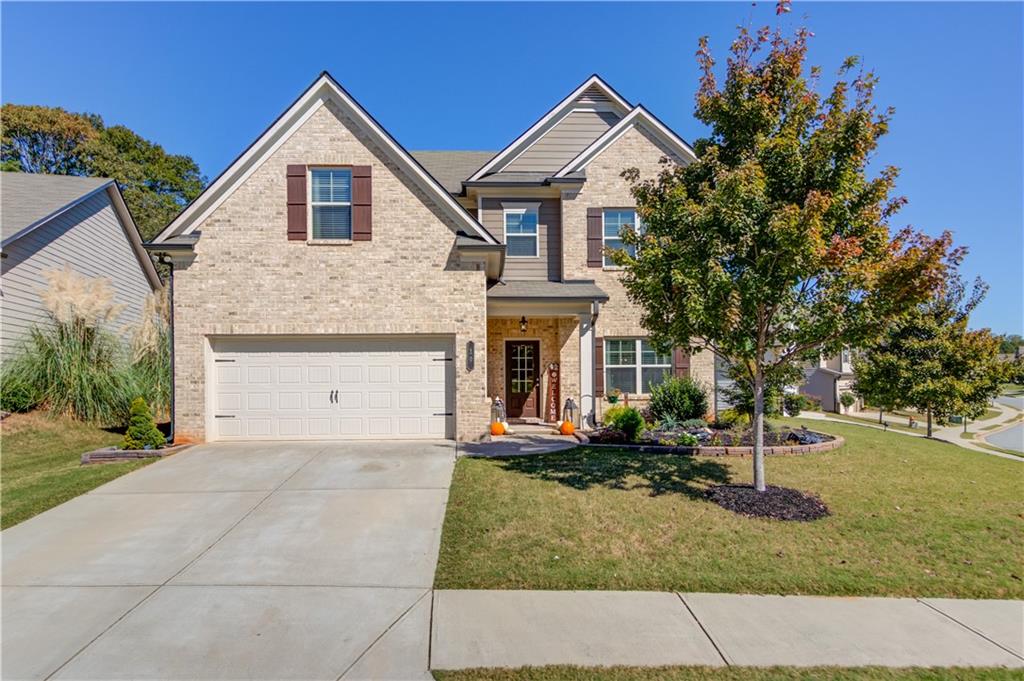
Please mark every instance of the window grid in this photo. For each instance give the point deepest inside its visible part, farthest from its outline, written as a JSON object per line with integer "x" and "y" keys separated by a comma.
{"x": 522, "y": 368}
{"x": 632, "y": 362}
{"x": 521, "y": 233}
{"x": 331, "y": 203}
{"x": 613, "y": 220}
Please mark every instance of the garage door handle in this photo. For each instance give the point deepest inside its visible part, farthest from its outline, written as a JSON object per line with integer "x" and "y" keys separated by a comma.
{"x": 443, "y": 359}
{"x": 444, "y": 413}
{"x": 334, "y": 396}
{"x": 223, "y": 416}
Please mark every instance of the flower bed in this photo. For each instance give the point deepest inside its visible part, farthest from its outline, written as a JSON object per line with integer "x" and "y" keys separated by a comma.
{"x": 785, "y": 441}
{"x": 111, "y": 454}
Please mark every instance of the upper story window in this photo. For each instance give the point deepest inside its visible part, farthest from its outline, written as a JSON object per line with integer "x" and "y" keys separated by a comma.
{"x": 615, "y": 219}
{"x": 845, "y": 359}
{"x": 331, "y": 203}
{"x": 632, "y": 362}
{"x": 521, "y": 235}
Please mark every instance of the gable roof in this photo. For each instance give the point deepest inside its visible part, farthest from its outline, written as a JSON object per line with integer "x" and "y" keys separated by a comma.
{"x": 593, "y": 91}
{"x": 322, "y": 89}
{"x": 638, "y": 116}
{"x": 30, "y": 200}
{"x": 450, "y": 168}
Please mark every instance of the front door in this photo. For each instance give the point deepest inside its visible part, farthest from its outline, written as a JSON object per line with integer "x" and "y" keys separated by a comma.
{"x": 522, "y": 379}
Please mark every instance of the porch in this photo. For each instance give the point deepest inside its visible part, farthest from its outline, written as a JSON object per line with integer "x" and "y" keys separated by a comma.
{"x": 540, "y": 348}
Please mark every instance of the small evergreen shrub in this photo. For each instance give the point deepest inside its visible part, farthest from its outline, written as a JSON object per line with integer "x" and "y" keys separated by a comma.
{"x": 142, "y": 431}
{"x": 626, "y": 419}
{"x": 794, "y": 403}
{"x": 687, "y": 440}
{"x": 670, "y": 423}
{"x": 680, "y": 398}
{"x": 692, "y": 424}
{"x": 847, "y": 399}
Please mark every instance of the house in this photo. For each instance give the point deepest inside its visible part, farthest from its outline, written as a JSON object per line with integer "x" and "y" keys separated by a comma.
{"x": 331, "y": 284}
{"x": 827, "y": 380}
{"x": 52, "y": 221}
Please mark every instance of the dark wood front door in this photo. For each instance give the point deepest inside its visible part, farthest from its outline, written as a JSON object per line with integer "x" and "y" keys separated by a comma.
{"x": 522, "y": 379}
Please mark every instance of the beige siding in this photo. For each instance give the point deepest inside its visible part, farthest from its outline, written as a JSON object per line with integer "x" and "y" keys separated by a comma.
{"x": 548, "y": 264}
{"x": 249, "y": 279}
{"x": 91, "y": 239}
{"x": 564, "y": 141}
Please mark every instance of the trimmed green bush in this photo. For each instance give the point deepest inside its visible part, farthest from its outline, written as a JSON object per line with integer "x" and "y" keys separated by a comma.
{"x": 626, "y": 419}
{"x": 794, "y": 403}
{"x": 142, "y": 431}
{"x": 694, "y": 423}
{"x": 680, "y": 398}
{"x": 847, "y": 399}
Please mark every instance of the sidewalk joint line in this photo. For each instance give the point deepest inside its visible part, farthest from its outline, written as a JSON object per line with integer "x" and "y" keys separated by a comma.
{"x": 970, "y": 629}
{"x": 704, "y": 629}
{"x": 382, "y": 634}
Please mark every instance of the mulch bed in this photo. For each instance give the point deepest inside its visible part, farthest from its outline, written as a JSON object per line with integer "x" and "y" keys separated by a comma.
{"x": 780, "y": 503}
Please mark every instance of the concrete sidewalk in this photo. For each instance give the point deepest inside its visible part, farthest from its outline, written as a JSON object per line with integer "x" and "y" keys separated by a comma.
{"x": 600, "y": 628}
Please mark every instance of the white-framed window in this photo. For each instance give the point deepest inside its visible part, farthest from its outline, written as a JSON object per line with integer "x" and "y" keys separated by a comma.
{"x": 633, "y": 365}
{"x": 522, "y": 238}
{"x": 330, "y": 203}
{"x": 614, "y": 220}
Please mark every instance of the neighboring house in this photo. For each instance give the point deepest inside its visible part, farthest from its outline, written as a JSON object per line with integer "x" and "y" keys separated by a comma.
{"x": 330, "y": 284}
{"x": 49, "y": 221}
{"x": 830, "y": 378}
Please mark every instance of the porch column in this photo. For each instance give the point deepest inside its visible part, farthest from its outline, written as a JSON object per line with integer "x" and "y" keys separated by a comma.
{"x": 587, "y": 405}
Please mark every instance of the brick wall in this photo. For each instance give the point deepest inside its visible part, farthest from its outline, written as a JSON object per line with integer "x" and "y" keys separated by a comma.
{"x": 247, "y": 278}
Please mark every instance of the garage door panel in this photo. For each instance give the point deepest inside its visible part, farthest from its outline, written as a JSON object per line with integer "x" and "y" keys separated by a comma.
{"x": 344, "y": 388}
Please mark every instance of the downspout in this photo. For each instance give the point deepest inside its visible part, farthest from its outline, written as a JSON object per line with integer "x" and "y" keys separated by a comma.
{"x": 166, "y": 260}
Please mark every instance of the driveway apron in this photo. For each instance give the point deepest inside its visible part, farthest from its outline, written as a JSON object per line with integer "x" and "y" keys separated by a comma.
{"x": 242, "y": 560}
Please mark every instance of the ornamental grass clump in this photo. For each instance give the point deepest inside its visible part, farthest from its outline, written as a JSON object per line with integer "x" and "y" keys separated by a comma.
{"x": 142, "y": 432}
{"x": 73, "y": 366}
{"x": 151, "y": 357}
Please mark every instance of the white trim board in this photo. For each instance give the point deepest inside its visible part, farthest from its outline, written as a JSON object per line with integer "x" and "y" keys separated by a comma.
{"x": 638, "y": 116}
{"x": 548, "y": 120}
{"x": 324, "y": 89}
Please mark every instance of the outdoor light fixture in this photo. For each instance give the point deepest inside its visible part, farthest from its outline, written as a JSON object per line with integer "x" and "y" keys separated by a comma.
{"x": 522, "y": 324}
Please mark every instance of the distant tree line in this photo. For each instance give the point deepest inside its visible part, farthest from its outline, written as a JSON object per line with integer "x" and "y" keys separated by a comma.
{"x": 156, "y": 185}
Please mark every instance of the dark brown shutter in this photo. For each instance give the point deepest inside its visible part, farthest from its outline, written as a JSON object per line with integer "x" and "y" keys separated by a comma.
{"x": 296, "y": 177}
{"x": 595, "y": 241}
{"x": 362, "y": 203}
{"x": 681, "y": 362}
{"x": 598, "y": 367}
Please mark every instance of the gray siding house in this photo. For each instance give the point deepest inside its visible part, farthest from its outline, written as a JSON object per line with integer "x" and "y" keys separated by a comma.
{"x": 49, "y": 221}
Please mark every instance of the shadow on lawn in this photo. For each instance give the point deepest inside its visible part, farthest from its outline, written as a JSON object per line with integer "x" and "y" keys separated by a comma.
{"x": 658, "y": 473}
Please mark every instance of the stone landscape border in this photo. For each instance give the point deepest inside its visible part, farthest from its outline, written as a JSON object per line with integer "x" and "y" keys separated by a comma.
{"x": 740, "y": 451}
{"x": 115, "y": 455}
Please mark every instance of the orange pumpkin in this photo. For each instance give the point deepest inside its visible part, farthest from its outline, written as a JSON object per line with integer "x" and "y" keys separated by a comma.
{"x": 567, "y": 428}
{"x": 497, "y": 428}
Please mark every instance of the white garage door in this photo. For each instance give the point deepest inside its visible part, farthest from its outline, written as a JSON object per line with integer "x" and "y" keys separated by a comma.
{"x": 338, "y": 388}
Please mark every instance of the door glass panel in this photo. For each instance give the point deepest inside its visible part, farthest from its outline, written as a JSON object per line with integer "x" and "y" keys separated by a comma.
{"x": 522, "y": 368}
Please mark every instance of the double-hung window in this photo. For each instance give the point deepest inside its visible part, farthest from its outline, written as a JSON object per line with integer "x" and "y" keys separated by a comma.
{"x": 521, "y": 236}
{"x": 615, "y": 219}
{"x": 331, "y": 203}
{"x": 633, "y": 362}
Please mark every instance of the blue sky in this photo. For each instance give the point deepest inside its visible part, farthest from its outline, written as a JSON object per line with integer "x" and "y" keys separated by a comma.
{"x": 205, "y": 80}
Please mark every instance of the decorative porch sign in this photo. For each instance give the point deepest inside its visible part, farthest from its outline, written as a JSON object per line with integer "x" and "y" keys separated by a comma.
{"x": 553, "y": 397}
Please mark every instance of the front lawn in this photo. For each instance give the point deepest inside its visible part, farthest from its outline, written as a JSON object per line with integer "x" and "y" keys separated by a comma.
{"x": 725, "y": 674}
{"x": 910, "y": 517}
{"x": 40, "y": 463}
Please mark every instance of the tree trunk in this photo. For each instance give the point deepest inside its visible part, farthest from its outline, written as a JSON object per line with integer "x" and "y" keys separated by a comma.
{"x": 929, "y": 421}
{"x": 759, "y": 430}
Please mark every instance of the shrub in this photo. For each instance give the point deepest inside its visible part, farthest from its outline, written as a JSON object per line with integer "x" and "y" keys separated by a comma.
{"x": 151, "y": 357}
{"x": 687, "y": 440}
{"x": 693, "y": 424}
{"x": 680, "y": 398}
{"x": 794, "y": 403}
{"x": 847, "y": 399}
{"x": 731, "y": 418}
{"x": 17, "y": 395}
{"x": 626, "y": 419}
{"x": 142, "y": 431}
{"x": 669, "y": 423}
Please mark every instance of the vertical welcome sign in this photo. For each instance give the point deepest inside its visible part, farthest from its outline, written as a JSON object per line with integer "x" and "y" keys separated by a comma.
{"x": 553, "y": 397}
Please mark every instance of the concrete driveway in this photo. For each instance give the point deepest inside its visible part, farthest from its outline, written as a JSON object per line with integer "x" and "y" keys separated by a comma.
{"x": 241, "y": 560}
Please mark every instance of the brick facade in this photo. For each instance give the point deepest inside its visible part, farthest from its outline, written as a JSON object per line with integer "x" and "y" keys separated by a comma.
{"x": 249, "y": 279}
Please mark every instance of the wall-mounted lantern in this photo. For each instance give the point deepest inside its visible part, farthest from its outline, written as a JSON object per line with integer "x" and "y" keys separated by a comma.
{"x": 470, "y": 355}
{"x": 522, "y": 324}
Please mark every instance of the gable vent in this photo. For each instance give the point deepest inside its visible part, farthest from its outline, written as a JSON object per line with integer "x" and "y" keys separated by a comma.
{"x": 593, "y": 95}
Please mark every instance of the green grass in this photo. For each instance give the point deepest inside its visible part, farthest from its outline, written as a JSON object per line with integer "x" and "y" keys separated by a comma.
{"x": 910, "y": 517}
{"x": 895, "y": 423}
{"x": 726, "y": 674}
{"x": 40, "y": 463}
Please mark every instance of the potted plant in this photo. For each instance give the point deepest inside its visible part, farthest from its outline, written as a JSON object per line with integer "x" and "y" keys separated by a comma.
{"x": 613, "y": 395}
